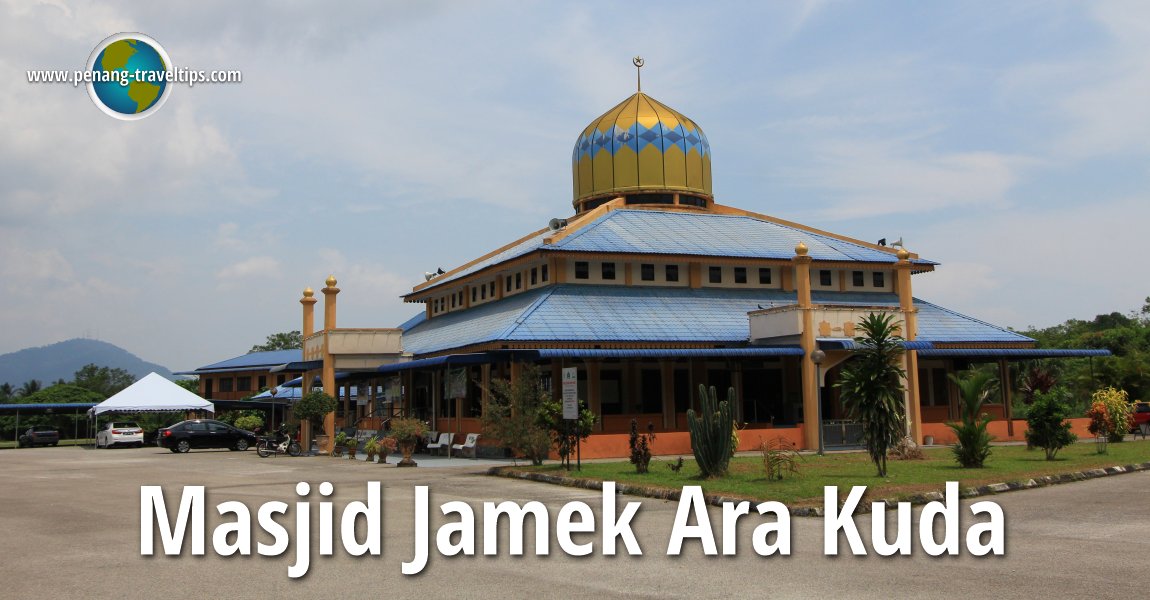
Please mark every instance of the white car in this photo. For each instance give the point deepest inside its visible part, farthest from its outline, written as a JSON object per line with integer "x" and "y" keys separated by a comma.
{"x": 120, "y": 433}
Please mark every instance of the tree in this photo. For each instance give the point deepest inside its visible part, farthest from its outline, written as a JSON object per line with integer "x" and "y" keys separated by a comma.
{"x": 290, "y": 340}
{"x": 871, "y": 386}
{"x": 7, "y": 392}
{"x": 313, "y": 407}
{"x": 514, "y": 416}
{"x": 30, "y": 387}
{"x": 1047, "y": 427}
{"x": 102, "y": 380}
{"x": 192, "y": 385}
{"x": 973, "y": 445}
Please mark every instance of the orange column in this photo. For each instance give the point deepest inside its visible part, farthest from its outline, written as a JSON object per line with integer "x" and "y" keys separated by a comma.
{"x": 328, "y": 375}
{"x": 810, "y": 385}
{"x": 910, "y": 331}
{"x": 308, "y": 301}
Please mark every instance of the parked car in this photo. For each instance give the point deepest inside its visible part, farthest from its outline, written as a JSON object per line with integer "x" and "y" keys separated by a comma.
{"x": 204, "y": 433}
{"x": 120, "y": 433}
{"x": 1141, "y": 414}
{"x": 39, "y": 436}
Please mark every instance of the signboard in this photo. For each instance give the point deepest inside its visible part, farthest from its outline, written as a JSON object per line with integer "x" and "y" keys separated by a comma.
{"x": 571, "y": 393}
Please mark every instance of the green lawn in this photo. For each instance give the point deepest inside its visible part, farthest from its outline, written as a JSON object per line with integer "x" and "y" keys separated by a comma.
{"x": 747, "y": 477}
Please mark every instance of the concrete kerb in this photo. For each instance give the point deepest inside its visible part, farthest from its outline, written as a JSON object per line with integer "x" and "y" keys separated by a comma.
{"x": 815, "y": 511}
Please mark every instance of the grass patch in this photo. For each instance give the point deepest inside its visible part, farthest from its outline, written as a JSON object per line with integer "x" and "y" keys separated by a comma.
{"x": 747, "y": 478}
{"x": 80, "y": 442}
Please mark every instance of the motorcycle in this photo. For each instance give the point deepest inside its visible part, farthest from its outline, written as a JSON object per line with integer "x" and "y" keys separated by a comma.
{"x": 270, "y": 446}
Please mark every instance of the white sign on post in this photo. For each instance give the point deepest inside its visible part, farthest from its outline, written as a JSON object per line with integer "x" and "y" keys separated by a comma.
{"x": 571, "y": 393}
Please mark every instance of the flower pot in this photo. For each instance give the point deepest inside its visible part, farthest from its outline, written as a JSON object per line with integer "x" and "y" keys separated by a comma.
{"x": 321, "y": 442}
{"x": 370, "y": 457}
{"x": 383, "y": 458}
{"x": 351, "y": 453}
{"x": 928, "y": 440}
{"x": 407, "y": 448}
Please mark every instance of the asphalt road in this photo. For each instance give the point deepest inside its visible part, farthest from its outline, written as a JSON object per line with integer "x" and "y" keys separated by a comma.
{"x": 70, "y": 521}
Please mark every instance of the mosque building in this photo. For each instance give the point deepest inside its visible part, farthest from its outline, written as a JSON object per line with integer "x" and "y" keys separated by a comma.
{"x": 651, "y": 288}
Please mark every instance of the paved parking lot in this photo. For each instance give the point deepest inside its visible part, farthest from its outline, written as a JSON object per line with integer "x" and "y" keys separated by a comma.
{"x": 70, "y": 522}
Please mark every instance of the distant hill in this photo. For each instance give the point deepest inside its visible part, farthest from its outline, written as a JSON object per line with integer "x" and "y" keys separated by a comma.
{"x": 63, "y": 359}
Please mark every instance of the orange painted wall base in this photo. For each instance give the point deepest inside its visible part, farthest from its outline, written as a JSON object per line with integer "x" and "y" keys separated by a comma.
{"x": 614, "y": 445}
{"x": 943, "y": 435}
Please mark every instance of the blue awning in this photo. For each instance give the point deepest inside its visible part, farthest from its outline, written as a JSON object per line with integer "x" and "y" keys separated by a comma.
{"x": 1017, "y": 353}
{"x": 446, "y": 360}
{"x": 304, "y": 365}
{"x": 850, "y": 344}
{"x": 45, "y": 406}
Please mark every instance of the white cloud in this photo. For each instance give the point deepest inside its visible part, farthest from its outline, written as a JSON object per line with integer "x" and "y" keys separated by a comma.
{"x": 256, "y": 267}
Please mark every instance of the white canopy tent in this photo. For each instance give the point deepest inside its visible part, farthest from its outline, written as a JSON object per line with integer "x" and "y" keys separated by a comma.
{"x": 153, "y": 393}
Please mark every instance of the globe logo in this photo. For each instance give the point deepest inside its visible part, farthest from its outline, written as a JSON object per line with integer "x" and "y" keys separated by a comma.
{"x": 129, "y": 76}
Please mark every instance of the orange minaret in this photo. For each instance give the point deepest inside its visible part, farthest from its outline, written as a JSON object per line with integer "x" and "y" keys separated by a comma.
{"x": 308, "y": 301}
{"x": 910, "y": 331}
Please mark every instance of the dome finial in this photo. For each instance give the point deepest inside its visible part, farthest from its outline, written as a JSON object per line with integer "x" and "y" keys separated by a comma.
{"x": 638, "y": 62}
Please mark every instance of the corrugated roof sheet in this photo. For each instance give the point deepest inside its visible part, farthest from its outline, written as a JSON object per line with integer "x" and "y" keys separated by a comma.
{"x": 251, "y": 360}
{"x": 701, "y": 234}
{"x": 592, "y": 313}
{"x": 1021, "y": 353}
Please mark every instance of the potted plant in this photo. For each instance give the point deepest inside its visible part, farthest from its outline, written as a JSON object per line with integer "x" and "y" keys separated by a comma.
{"x": 352, "y": 444}
{"x": 340, "y": 443}
{"x": 312, "y": 408}
{"x": 407, "y": 432}
{"x": 371, "y": 447}
{"x": 386, "y": 445}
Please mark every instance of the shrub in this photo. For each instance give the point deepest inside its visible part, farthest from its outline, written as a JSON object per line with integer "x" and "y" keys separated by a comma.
{"x": 514, "y": 416}
{"x": 711, "y": 432}
{"x": 406, "y": 430}
{"x": 1101, "y": 425}
{"x": 249, "y": 422}
{"x": 1048, "y": 427}
{"x": 779, "y": 458}
{"x": 313, "y": 407}
{"x": 641, "y": 446}
{"x": 1118, "y": 411}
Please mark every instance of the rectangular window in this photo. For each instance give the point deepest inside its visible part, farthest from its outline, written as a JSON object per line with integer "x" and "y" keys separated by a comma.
{"x": 824, "y": 277}
{"x": 280, "y": 379}
{"x": 491, "y": 291}
{"x": 474, "y": 294}
{"x": 715, "y": 274}
{"x": 453, "y": 301}
{"x": 672, "y": 273}
{"x": 483, "y": 293}
{"x": 519, "y": 281}
{"x": 582, "y": 269}
{"x": 740, "y": 274}
{"x": 858, "y": 279}
{"x": 764, "y": 277}
{"x": 544, "y": 273}
{"x": 263, "y": 381}
{"x": 226, "y": 384}
{"x": 608, "y": 270}
{"x": 647, "y": 272}
{"x": 243, "y": 384}
{"x": 878, "y": 279}
{"x": 507, "y": 283}
{"x": 534, "y": 275}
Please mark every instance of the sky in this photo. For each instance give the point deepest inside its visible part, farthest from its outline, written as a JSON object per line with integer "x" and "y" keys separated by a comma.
{"x": 1008, "y": 141}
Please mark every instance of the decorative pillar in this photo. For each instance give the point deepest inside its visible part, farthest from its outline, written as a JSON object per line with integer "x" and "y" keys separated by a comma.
{"x": 328, "y": 374}
{"x": 910, "y": 357}
{"x": 810, "y": 385}
{"x": 308, "y": 302}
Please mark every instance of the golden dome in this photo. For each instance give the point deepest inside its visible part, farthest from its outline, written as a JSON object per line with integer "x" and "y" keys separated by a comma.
{"x": 308, "y": 293}
{"x": 330, "y": 281}
{"x": 640, "y": 146}
{"x": 801, "y": 249}
{"x": 902, "y": 254}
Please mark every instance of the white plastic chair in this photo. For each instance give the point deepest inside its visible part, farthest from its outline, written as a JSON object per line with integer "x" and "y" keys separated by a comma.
{"x": 444, "y": 442}
{"x": 468, "y": 444}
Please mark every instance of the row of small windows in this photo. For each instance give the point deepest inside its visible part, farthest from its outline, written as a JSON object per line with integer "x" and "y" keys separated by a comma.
{"x": 482, "y": 292}
{"x": 858, "y": 278}
{"x": 715, "y": 275}
{"x": 607, "y": 271}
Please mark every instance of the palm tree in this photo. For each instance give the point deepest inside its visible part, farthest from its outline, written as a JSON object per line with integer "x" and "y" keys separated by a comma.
{"x": 871, "y": 386}
{"x": 6, "y": 391}
{"x": 973, "y": 445}
{"x": 30, "y": 387}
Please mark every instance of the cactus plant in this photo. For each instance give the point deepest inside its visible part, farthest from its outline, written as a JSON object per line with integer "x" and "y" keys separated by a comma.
{"x": 711, "y": 432}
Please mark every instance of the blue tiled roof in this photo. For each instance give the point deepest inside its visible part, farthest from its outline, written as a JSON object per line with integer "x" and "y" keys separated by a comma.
{"x": 590, "y": 313}
{"x": 699, "y": 234}
{"x": 252, "y": 360}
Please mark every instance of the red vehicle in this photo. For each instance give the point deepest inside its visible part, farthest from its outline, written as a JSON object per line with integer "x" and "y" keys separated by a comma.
{"x": 1141, "y": 414}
